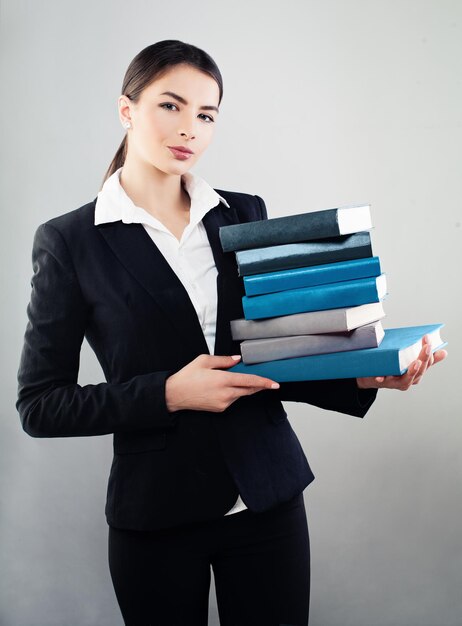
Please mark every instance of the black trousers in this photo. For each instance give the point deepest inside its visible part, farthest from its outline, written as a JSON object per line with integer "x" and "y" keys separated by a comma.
{"x": 260, "y": 561}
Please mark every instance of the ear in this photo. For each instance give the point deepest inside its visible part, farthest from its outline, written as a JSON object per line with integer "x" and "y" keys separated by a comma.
{"x": 124, "y": 104}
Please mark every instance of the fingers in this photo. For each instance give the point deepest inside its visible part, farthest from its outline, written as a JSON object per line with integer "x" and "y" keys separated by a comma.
{"x": 252, "y": 380}
{"x": 246, "y": 391}
{"x": 238, "y": 378}
{"x": 428, "y": 348}
{"x": 429, "y": 357}
{"x": 368, "y": 382}
{"x": 425, "y": 357}
{"x": 216, "y": 361}
{"x": 439, "y": 355}
{"x": 407, "y": 379}
{"x": 414, "y": 374}
{"x": 415, "y": 370}
{"x": 402, "y": 382}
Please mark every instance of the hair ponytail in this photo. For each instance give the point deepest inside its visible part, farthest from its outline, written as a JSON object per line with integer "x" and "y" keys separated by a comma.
{"x": 151, "y": 63}
{"x": 117, "y": 161}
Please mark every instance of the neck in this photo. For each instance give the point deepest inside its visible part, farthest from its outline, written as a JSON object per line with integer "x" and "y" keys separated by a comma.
{"x": 158, "y": 193}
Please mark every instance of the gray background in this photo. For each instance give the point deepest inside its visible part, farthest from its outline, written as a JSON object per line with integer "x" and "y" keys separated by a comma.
{"x": 325, "y": 103}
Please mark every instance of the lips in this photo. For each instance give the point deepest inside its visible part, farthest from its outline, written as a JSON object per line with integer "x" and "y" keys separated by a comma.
{"x": 181, "y": 149}
{"x": 180, "y": 154}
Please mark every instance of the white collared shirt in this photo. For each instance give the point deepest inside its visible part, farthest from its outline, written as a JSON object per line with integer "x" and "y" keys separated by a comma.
{"x": 191, "y": 258}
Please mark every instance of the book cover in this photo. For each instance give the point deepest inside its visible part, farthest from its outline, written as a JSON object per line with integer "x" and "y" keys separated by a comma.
{"x": 299, "y": 227}
{"x": 399, "y": 347}
{"x": 334, "y": 295}
{"x": 309, "y": 323}
{"x": 317, "y": 252}
{"x": 294, "y": 278}
{"x": 273, "y": 348}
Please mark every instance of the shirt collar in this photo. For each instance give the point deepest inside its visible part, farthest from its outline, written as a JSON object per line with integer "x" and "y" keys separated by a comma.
{"x": 113, "y": 204}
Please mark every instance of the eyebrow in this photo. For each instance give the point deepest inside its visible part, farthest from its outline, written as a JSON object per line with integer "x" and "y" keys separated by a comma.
{"x": 183, "y": 101}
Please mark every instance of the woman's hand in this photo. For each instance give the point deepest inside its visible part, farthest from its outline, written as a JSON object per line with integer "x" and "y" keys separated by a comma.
{"x": 201, "y": 387}
{"x": 414, "y": 374}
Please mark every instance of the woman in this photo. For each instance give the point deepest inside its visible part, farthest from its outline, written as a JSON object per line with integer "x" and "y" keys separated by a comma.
{"x": 207, "y": 470}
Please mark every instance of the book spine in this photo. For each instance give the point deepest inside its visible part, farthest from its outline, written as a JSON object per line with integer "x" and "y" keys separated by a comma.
{"x": 319, "y": 298}
{"x": 351, "y": 364}
{"x": 310, "y": 323}
{"x": 269, "y": 282}
{"x": 258, "y": 350}
{"x": 259, "y": 233}
{"x": 343, "y": 248}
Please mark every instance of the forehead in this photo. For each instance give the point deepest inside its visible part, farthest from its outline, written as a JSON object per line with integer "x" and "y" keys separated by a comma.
{"x": 188, "y": 82}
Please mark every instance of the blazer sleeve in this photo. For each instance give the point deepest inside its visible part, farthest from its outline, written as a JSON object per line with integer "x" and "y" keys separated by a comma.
{"x": 50, "y": 402}
{"x": 342, "y": 395}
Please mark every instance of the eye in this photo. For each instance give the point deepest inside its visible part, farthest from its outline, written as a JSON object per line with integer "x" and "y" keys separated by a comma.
{"x": 210, "y": 118}
{"x": 170, "y": 104}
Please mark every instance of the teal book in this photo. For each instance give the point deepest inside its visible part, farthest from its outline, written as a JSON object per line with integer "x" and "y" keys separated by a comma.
{"x": 269, "y": 282}
{"x": 332, "y": 296}
{"x": 317, "y": 252}
{"x": 399, "y": 347}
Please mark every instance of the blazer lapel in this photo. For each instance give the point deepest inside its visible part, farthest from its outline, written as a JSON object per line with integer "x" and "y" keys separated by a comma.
{"x": 143, "y": 259}
{"x": 230, "y": 286}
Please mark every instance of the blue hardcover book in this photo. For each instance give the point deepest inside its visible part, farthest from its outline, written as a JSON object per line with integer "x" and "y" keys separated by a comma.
{"x": 398, "y": 349}
{"x": 332, "y": 296}
{"x": 269, "y": 282}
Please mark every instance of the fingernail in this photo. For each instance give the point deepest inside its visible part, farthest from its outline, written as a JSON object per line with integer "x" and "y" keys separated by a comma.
{"x": 428, "y": 350}
{"x": 236, "y": 357}
{"x": 275, "y": 386}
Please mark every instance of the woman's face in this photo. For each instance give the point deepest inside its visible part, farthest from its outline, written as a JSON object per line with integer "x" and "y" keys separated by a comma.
{"x": 160, "y": 120}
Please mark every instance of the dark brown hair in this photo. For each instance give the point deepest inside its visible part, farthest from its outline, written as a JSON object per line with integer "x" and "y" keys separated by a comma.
{"x": 152, "y": 63}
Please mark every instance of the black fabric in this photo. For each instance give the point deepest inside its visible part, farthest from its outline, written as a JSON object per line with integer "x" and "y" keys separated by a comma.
{"x": 260, "y": 562}
{"x": 111, "y": 285}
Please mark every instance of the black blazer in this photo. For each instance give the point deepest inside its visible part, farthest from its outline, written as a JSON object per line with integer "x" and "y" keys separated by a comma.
{"x": 111, "y": 284}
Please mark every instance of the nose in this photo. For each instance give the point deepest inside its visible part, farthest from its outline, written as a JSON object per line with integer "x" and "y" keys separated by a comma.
{"x": 185, "y": 134}
{"x": 186, "y": 126}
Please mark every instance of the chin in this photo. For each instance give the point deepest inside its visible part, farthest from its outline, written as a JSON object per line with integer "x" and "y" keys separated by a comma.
{"x": 167, "y": 168}
{"x": 178, "y": 168}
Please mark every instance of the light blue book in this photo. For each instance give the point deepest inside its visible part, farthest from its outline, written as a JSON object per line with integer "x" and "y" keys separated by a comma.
{"x": 301, "y": 254}
{"x": 269, "y": 282}
{"x": 398, "y": 349}
{"x": 332, "y": 296}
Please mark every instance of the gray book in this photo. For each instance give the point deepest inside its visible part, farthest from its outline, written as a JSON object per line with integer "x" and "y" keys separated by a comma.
{"x": 273, "y": 348}
{"x": 309, "y": 323}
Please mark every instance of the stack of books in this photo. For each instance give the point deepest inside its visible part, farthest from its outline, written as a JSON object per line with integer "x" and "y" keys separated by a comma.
{"x": 313, "y": 304}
